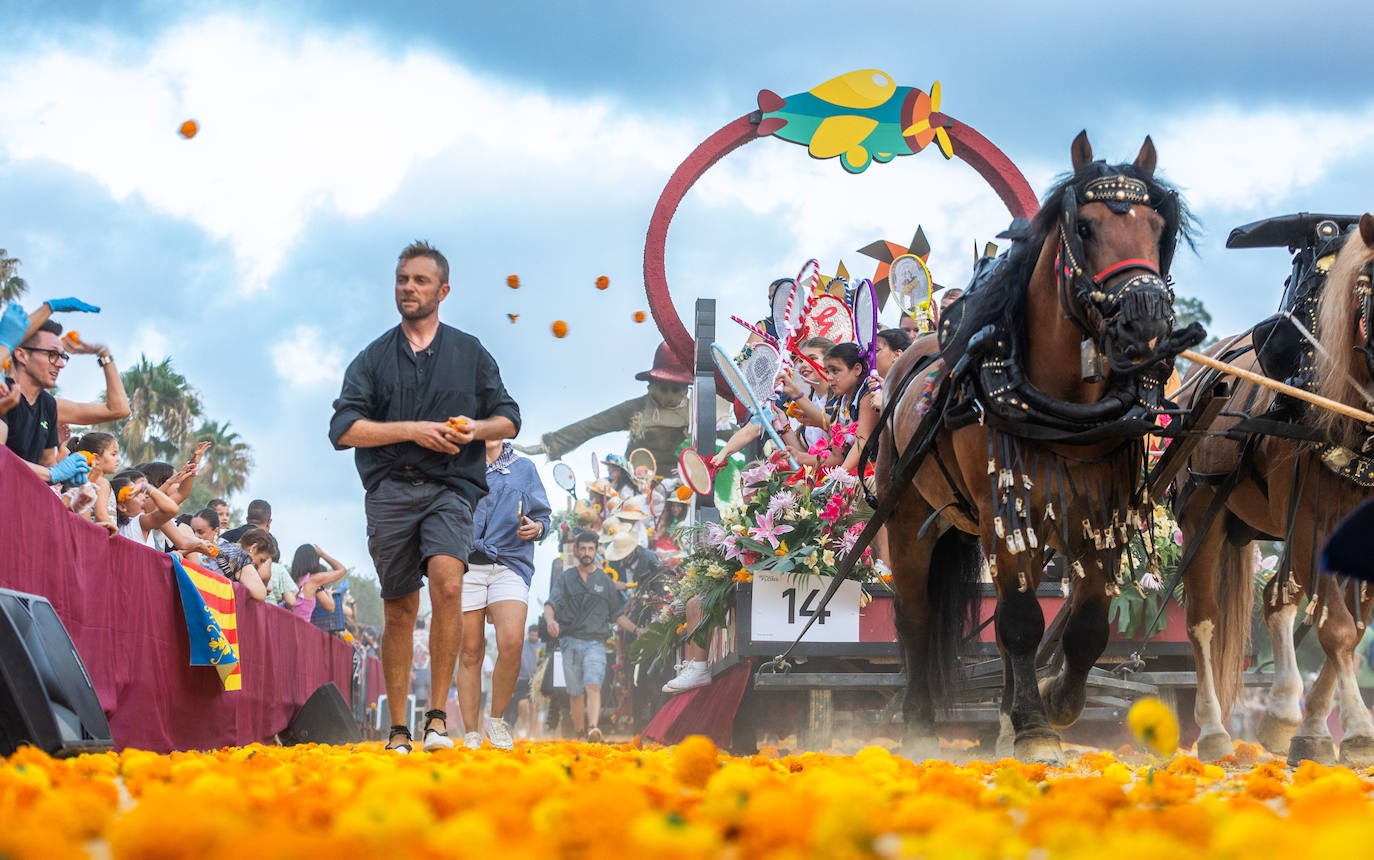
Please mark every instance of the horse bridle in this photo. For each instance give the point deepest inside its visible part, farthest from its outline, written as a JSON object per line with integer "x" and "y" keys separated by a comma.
{"x": 1083, "y": 298}
{"x": 1365, "y": 295}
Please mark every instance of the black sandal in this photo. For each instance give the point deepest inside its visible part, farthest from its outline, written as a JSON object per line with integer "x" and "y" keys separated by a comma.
{"x": 435, "y": 739}
{"x": 402, "y": 748}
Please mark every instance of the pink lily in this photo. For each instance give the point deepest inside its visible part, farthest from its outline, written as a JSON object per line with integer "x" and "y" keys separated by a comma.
{"x": 767, "y": 531}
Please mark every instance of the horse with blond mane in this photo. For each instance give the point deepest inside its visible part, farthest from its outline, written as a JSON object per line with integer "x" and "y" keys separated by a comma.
{"x": 1291, "y": 483}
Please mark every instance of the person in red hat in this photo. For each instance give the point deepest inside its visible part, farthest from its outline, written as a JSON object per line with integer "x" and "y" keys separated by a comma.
{"x": 659, "y": 420}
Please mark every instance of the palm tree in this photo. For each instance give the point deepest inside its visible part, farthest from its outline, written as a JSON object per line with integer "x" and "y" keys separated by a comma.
{"x": 228, "y": 462}
{"x": 12, "y": 287}
{"x": 163, "y": 407}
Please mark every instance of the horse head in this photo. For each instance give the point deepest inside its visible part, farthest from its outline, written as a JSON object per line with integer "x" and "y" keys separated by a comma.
{"x": 1118, "y": 227}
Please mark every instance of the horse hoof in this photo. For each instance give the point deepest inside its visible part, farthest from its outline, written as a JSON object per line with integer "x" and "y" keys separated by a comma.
{"x": 1041, "y": 749}
{"x": 1276, "y": 734}
{"x": 1214, "y": 746}
{"x": 1309, "y": 748}
{"x": 1357, "y": 752}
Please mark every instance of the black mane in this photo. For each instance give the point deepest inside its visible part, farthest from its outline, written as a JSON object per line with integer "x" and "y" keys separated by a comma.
{"x": 1000, "y": 298}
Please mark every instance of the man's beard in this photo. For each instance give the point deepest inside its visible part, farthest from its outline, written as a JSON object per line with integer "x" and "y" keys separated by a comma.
{"x": 421, "y": 310}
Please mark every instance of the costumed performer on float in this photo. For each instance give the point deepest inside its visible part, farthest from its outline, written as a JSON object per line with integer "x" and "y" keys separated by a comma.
{"x": 659, "y": 420}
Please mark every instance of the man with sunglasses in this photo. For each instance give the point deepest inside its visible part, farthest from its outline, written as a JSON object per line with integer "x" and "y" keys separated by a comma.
{"x": 31, "y": 423}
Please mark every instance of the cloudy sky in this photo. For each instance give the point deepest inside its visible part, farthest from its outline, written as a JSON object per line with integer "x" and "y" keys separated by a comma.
{"x": 534, "y": 140}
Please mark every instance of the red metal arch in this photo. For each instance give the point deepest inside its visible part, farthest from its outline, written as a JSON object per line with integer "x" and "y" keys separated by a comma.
{"x": 977, "y": 151}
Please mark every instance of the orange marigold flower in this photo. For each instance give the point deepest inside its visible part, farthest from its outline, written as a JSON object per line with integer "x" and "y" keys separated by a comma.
{"x": 189, "y": 128}
{"x": 602, "y": 282}
{"x": 743, "y": 575}
{"x": 694, "y": 760}
{"x": 513, "y": 281}
{"x": 639, "y": 316}
{"x": 559, "y": 328}
{"x": 683, "y": 493}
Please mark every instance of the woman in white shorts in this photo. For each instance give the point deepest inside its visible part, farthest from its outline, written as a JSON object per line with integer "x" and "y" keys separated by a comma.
{"x": 505, "y": 526}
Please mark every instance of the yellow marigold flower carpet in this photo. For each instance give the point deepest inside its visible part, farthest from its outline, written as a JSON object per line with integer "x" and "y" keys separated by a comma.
{"x": 571, "y": 800}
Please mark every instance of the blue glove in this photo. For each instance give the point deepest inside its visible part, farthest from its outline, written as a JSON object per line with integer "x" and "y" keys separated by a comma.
{"x": 12, "y": 326}
{"x": 72, "y": 470}
{"x": 60, "y": 305}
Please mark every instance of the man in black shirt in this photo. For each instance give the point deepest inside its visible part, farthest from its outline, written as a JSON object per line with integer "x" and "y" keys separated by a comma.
{"x": 259, "y": 517}
{"x": 31, "y": 423}
{"x": 413, "y": 403}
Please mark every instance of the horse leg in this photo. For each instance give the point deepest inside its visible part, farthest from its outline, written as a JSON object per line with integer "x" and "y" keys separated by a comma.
{"x": 1200, "y": 581}
{"x": 1085, "y": 638}
{"x": 1006, "y": 734}
{"x": 1339, "y": 636}
{"x": 1283, "y": 714}
{"x": 1313, "y": 740}
{"x": 1020, "y": 627}
{"x": 910, "y": 580}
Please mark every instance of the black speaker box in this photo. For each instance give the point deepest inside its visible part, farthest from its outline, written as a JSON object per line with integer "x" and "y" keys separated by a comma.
{"x": 46, "y": 697}
{"x": 325, "y": 718}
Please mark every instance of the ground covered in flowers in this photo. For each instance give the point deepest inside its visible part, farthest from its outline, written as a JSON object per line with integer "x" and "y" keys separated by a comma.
{"x": 556, "y": 800}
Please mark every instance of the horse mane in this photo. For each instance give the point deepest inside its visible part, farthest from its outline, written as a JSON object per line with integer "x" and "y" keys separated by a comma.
{"x": 1339, "y": 364}
{"x": 1001, "y": 299}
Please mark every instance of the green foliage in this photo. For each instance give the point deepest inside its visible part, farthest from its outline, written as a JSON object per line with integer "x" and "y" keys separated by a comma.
{"x": 162, "y": 425}
{"x": 1188, "y": 310}
{"x": 368, "y": 595}
{"x": 12, "y": 287}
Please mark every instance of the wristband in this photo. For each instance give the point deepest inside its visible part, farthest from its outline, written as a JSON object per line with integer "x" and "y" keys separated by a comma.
{"x": 104, "y": 359}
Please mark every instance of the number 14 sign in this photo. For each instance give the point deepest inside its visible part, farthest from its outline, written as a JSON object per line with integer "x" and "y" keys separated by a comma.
{"x": 782, "y": 606}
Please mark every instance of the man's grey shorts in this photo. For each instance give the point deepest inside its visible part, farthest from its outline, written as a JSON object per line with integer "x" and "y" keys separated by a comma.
{"x": 410, "y": 522}
{"x": 584, "y": 664}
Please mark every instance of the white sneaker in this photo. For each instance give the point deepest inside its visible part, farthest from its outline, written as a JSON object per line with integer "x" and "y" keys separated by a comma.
{"x": 693, "y": 674}
{"x": 472, "y": 740}
{"x": 498, "y": 732}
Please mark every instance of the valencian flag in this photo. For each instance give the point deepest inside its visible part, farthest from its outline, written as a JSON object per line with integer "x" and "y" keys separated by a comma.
{"x": 207, "y": 598}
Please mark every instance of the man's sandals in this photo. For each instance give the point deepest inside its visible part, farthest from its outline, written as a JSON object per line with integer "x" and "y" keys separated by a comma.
{"x": 435, "y": 739}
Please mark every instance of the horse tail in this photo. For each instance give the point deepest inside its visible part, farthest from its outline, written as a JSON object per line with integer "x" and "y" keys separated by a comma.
{"x": 956, "y": 566}
{"x": 1235, "y": 594}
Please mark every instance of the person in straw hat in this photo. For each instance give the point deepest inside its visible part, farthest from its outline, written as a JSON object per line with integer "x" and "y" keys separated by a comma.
{"x": 658, "y": 420}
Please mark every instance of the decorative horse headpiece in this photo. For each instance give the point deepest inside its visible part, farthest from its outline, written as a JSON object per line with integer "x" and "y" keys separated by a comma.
{"x": 1104, "y": 302}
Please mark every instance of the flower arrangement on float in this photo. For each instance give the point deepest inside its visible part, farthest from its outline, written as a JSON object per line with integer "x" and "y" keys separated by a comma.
{"x": 795, "y": 522}
{"x": 1145, "y": 569}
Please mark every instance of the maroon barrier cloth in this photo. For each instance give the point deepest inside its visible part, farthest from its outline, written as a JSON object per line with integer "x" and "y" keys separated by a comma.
{"x": 708, "y": 710}
{"x": 119, "y": 602}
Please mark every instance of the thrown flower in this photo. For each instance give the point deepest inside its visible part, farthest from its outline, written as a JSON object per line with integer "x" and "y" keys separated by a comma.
{"x": 1150, "y": 582}
{"x": 768, "y": 531}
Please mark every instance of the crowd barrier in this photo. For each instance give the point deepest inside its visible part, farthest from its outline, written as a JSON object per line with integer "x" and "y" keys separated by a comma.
{"x": 119, "y": 602}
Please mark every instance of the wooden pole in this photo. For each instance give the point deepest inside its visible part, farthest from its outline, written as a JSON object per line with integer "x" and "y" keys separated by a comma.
{"x": 1273, "y": 385}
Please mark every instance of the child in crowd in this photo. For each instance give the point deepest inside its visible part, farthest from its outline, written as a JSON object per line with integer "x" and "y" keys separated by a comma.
{"x": 311, "y": 580}
{"x": 103, "y": 452}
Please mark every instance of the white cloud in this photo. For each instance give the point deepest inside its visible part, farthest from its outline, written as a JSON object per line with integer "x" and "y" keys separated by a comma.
{"x": 291, "y": 125}
{"x": 303, "y": 359}
{"x": 1230, "y": 157}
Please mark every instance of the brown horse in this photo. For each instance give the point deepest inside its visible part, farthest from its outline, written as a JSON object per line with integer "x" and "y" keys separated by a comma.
{"x": 1053, "y": 369}
{"x": 1288, "y": 489}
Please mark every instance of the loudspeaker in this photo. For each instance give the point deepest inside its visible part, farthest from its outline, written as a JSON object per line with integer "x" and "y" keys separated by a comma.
{"x": 46, "y": 697}
{"x": 325, "y": 718}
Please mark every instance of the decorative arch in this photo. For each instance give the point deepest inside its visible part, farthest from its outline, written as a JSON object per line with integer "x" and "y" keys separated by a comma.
{"x": 859, "y": 118}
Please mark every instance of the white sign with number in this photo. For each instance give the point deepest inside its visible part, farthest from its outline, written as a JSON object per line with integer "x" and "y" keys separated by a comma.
{"x": 782, "y": 607}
